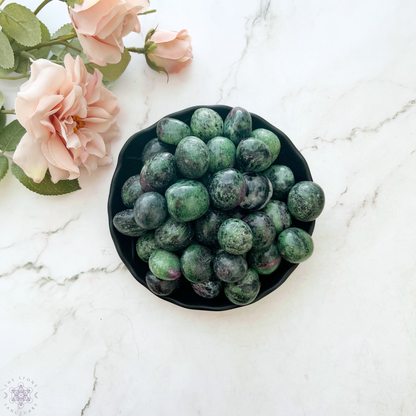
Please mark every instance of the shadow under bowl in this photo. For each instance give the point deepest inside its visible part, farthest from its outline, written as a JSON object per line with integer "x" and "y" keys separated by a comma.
{"x": 129, "y": 164}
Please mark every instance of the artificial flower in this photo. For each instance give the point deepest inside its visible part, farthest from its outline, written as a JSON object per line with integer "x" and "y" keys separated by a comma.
{"x": 70, "y": 118}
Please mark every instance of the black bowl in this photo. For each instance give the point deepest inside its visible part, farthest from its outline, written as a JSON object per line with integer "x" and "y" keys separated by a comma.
{"x": 129, "y": 164}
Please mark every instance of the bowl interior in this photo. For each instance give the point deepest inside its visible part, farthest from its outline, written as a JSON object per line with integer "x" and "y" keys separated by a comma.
{"x": 129, "y": 164}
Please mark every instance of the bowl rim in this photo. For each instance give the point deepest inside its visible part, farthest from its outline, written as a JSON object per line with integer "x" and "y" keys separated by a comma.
{"x": 113, "y": 233}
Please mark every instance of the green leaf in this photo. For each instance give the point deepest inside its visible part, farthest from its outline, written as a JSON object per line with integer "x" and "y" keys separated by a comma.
{"x": 10, "y": 136}
{"x": 5, "y": 72}
{"x": 2, "y": 99}
{"x": 71, "y": 3}
{"x": 108, "y": 84}
{"x": 4, "y": 166}
{"x": 21, "y": 23}
{"x": 46, "y": 36}
{"x": 62, "y": 33}
{"x": 46, "y": 187}
{"x": 23, "y": 65}
{"x": 156, "y": 68}
{"x": 2, "y": 120}
{"x": 66, "y": 29}
{"x": 6, "y": 52}
{"x": 111, "y": 72}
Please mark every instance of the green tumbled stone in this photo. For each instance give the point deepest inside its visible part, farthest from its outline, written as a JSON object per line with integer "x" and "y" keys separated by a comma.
{"x": 161, "y": 287}
{"x": 150, "y": 210}
{"x": 173, "y": 235}
{"x": 265, "y": 261}
{"x": 125, "y": 224}
{"x": 221, "y": 154}
{"x": 279, "y": 213}
{"x": 306, "y": 201}
{"x": 146, "y": 245}
{"x": 206, "y": 124}
{"x": 253, "y": 155}
{"x": 262, "y": 227}
{"x": 158, "y": 173}
{"x": 295, "y": 245}
{"x": 282, "y": 180}
{"x": 196, "y": 262}
{"x": 192, "y": 157}
{"x": 165, "y": 265}
{"x": 237, "y": 125}
{"x": 172, "y": 131}
{"x": 131, "y": 190}
{"x": 270, "y": 139}
{"x": 153, "y": 147}
{"x": 235, "y": 236}
{"x": 187, "y": 200}
{"x": 229, "y": 267}
{"x": 208, "y": 289}
{"x": 207, "y": 226}
{"x": 245, "y": 291}
{"x": 227, "y": 189}
{"x": 258, "y": 191}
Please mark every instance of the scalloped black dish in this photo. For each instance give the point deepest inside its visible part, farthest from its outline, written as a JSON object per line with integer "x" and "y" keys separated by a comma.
{"x": 129, "y": 164}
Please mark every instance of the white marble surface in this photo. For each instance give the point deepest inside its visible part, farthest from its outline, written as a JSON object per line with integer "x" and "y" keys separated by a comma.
{"x": 339, "y": 337}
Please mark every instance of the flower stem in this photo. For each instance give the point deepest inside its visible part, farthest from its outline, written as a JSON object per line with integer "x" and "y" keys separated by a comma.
{"x": 7, "y": 111}
{"x": 41, "y": 6}
{"x": 1, "y": 2}
{"x": 14, "y": 78}
{"x": 137, "y": 50}
{"x": 27, "y": 55}
{"x": 148, "y": 12}
{"x": 50, "y": 43}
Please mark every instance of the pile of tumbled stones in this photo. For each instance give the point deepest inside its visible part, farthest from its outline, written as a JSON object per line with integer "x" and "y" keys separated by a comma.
{"x": 209, "y": 207}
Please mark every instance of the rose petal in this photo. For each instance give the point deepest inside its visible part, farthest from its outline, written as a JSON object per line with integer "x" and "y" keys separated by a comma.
{"x": 29, "y": 157}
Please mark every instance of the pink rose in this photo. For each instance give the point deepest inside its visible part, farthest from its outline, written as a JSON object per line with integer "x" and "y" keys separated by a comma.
{"x": 102, "y": 24}
{"x": 70, "y": 118}
{"x": 173, "y": 50}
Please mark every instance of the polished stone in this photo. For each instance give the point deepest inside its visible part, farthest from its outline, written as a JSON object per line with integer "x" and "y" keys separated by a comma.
{"x": 227, "y": 189}
{"x": 125, "y": 224}
{"x": 150, "y": 210}
{"x": 158, "y": 173}
{"x": 207, "y": 226}
{"x": 172, "y": 131}
{"x": 221, "y": 154}
{"x": 196, "y": 263}
{"x": 258, "y": 191}
{"x": 131, "y": 190}
{"x": 279, "y": 212}
{"x": 206, "y": 124}
{"x": 154, "y": 147}
{"x": 263, "y": 229}
{"x": 209, "y": 289}
{"x": 187, "y": 200}
{"x": 165, "y": 265}
{"x": 306, "y": 201}
{"x": 161, "y": 287}
{"x": 244, "y": 291}
{"x": 173, "y": 235}
{"x": 295, "y": 245}
{"x": 237, "y": 125}
{"x": 282, "y": 180}
{"x": 265, "y": 261}
{"x": 253, "y": 155}
{"x": 229, "y": 267}
{"x": 146, "y": 245}
{"x": 192, "y": 157}
{"x": 235, "y": 236}
{"x": 270, "y": 139}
